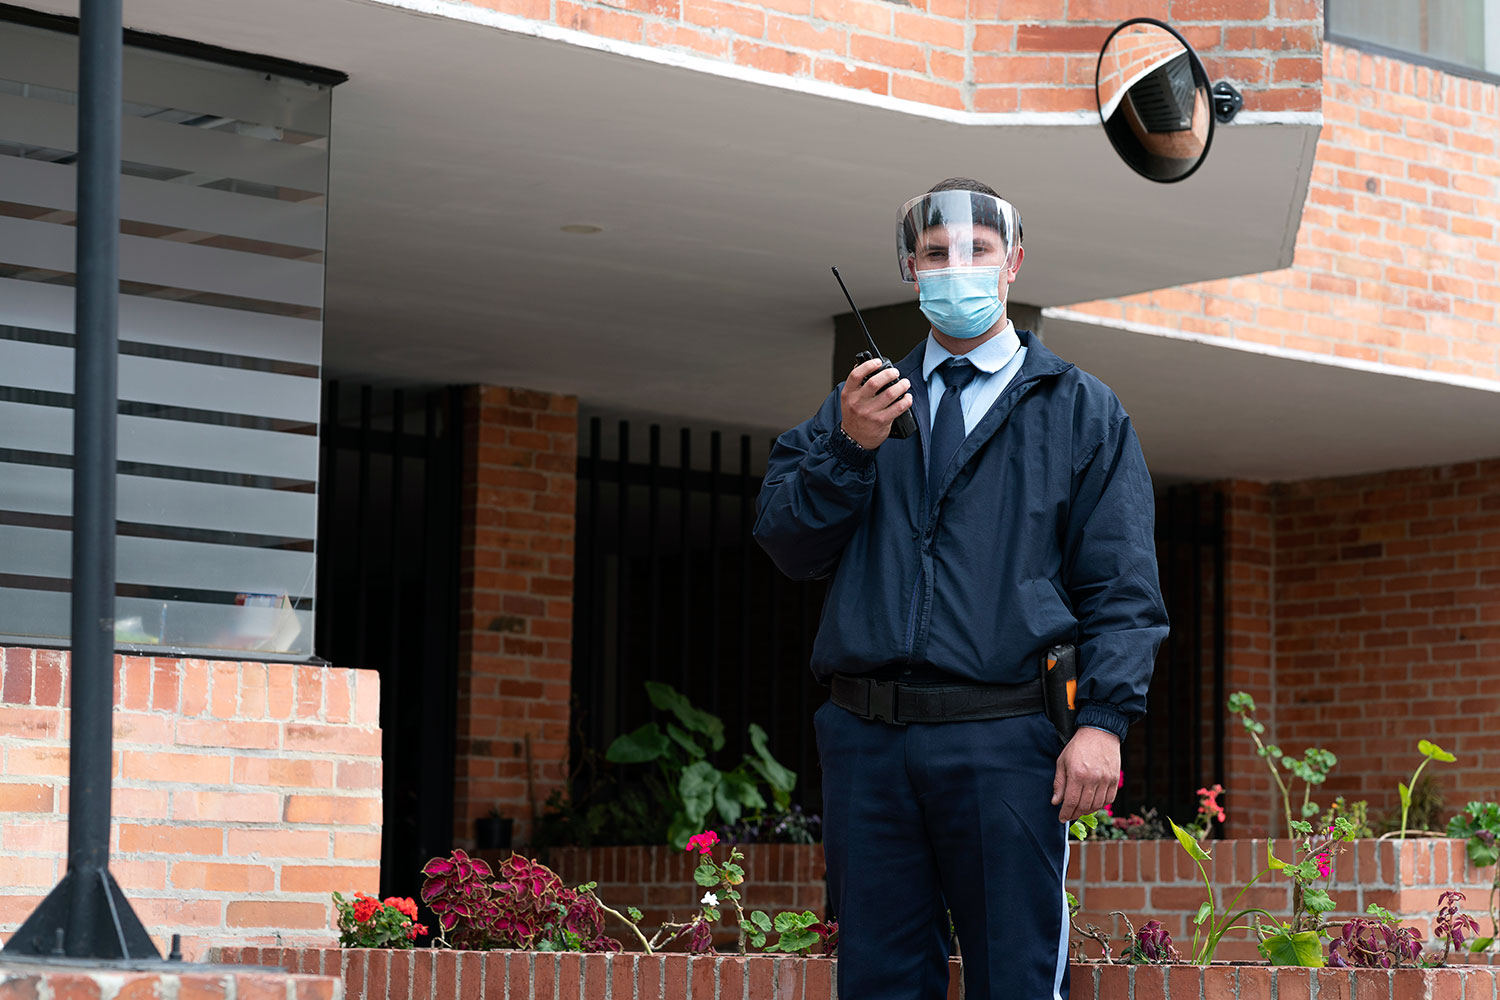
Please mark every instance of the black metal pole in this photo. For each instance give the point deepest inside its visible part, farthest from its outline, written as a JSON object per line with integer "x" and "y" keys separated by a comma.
{"x": 86, "y": 915}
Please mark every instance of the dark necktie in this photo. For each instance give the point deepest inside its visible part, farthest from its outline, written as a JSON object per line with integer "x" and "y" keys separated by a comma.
{"x": 948, "y": 425}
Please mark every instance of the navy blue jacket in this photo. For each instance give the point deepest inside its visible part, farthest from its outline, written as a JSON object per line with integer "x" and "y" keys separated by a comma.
{"x": 1041, "y": 533}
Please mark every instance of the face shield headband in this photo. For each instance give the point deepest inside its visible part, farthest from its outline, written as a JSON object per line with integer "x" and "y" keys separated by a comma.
{"x": 946, "y": 229}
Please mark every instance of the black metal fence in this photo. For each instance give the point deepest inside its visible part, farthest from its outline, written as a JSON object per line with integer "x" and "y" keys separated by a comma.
{"x": 1179, "y": 746}
{"x": 670, "y": 586}
{"x": 388, "y": 551}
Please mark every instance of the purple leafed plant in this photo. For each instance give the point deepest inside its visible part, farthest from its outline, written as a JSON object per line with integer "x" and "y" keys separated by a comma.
{"x": 1452, "y": 926}
{"x": 1152, "y": 943}
{"x": 525, "y": 905}
{"x": 1372, "y": 944}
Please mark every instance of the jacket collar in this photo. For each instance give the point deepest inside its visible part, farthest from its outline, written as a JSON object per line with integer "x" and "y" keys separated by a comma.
{"x": 1038, "y": 364}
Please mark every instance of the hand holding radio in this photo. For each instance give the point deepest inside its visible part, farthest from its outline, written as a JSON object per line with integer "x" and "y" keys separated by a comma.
{"x": 875, "y": 396}
{"x": 875, "y": 405}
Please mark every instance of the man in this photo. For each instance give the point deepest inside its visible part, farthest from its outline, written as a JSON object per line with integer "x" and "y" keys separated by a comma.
{"x": 1019, "y": 517}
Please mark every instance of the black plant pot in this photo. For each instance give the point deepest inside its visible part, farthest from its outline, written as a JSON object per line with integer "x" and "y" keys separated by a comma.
{"x": 492, "y": 833}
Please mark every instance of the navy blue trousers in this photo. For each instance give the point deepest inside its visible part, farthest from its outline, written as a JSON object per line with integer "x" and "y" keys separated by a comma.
{"x": 954, "y": 815}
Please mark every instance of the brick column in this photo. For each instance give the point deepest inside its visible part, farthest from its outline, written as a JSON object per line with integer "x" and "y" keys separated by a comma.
{"x": 1249, "y": 530}
{"x": 516, "y": 603}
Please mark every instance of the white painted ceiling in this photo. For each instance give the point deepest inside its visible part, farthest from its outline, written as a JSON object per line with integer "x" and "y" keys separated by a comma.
{"x": 1212, "y": 410}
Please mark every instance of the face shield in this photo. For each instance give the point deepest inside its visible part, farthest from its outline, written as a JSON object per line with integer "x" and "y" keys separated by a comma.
{"x": 947, "y": 229}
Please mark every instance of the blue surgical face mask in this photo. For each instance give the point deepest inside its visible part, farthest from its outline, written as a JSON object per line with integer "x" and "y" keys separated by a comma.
{"x": 961, "y": 302}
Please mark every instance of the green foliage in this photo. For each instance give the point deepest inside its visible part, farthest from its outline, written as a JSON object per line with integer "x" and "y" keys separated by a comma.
{"x": 1430, "y": 752}
{"x": 366, "y": 922}
{"x": 1087, "y": 824}
{"x": 1479, "y": 824}
{"x": 1283, "y": 946}
{"x": 795, "y": 930}
{"x": 1357, "y": 813}
{"x": 660, "y": 783}
{"x": 1311, "y": 768}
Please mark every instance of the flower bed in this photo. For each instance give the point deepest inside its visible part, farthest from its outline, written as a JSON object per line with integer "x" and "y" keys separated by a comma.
{"x": 659, "y": 880}
{"x": 425, "y": 974}
{"x": 1156, "y": 879}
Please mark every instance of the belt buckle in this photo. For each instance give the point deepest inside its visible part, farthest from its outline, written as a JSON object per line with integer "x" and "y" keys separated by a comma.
{"x": 883, "y": 699}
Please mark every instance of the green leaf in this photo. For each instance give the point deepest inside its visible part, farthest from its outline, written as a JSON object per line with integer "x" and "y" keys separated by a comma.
{"x": 685, "y": 741}
{"x": 1239, "y": 701}
{"x": 1272, "y": 861}
{"x": 706, "y": 875}
{"x": 1303, "y": 948}
{"x": 681, "y": 828}
{"x": 1190, "y": 845}
{"x": 1274, "y": 751}
{"x": 1090, "y": 820}
{"x": 1405, "y": 794}
{"x": 1205, "y": 910}
{"x": 1480, "y": 944}
{"x": 744, "y": 790}
{"x": 634, "y": 913}
{"x": 780, "y": 778}
{"x": 1317, "y": 901}
{"x": 761, "y": 920}
{"x": 646, "y": 743}
{"x": 734, "y": 874}
{"x": 696, "y": 786}
{"x": 1430, "y": 749}
{"x": 666, "y": 698}
{"x": 725, "y": 802}
{"x": 1078, "y": 830}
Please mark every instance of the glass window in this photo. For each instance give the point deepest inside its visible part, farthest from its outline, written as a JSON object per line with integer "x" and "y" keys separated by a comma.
{"x": 222, "y": 205}
{"x": 1460, "y": 35}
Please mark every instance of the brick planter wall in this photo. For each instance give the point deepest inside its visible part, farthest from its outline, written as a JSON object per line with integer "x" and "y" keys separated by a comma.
{"x": 424, "y": 974}
{"x": 1156, "y": 879}
{"x": 659, "y": 880}
{"x": 21, "y": 980}
{"x": 243, "y": 793}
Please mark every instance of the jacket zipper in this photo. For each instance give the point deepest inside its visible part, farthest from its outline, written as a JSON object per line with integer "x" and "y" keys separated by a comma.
{"x": 911, "y": 618}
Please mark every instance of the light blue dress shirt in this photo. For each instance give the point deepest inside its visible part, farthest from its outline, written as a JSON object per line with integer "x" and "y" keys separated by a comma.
{"x": 997, "y": 360}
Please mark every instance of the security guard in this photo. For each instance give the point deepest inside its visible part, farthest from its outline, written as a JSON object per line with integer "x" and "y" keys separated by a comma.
{"x": 1018, "y": 518}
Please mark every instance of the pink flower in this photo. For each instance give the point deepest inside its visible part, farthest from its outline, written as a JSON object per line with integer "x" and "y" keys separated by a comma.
{"x": 1210, "y": 806}
{"x": 1122, "y": 780}
{"x": 1325, "y": 865}
{"x": 702, "y": 842}
{"x": 1107, "y": 810}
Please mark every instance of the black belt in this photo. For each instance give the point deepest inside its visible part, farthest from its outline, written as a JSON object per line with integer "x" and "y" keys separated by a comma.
{"x": 899, "y": 703}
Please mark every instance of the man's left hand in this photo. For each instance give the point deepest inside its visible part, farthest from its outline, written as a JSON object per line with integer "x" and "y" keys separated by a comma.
{"x": 1088, "y": 773}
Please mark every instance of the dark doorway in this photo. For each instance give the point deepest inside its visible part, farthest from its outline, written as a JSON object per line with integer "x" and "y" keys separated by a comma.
{"x": 670, "y": 586}
{"x": 389, "y": 509}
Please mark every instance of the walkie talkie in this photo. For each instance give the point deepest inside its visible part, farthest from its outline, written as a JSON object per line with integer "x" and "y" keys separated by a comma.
{"x": 905, "y": 425}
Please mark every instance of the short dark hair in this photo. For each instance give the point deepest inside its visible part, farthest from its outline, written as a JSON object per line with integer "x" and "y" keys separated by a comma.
{"x": 970, "y": 184}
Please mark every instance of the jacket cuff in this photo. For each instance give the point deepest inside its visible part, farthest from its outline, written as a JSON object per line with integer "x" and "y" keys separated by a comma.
{"x": 1098, "y": 715}
{"x": 849, "y": 453}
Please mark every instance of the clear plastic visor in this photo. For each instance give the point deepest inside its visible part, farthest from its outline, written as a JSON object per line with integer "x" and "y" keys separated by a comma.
{"x": 955, "y": 229}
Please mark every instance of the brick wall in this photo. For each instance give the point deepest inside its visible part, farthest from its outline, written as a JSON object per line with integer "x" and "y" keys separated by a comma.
{"x": 1388, "y": 627}
{"x": 516, "y": 603}
{"x": 370, "y": 974}
{"x": 979, "y": 55}
{"x": 1249, "y": 651}
{"x": 244, "y": 793}
{"x": 1396, "y": 259}
{"x": 1377, "y": 599}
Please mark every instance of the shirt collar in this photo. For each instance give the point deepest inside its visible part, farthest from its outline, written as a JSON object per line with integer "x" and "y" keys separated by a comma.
{"x": 989, "y": 357}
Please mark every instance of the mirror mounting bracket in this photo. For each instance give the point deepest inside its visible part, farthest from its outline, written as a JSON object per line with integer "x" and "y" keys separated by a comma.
{"x": 1227, "y": 101}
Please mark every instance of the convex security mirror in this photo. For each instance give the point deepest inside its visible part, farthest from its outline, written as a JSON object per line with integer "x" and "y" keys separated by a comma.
{"x": 1155, "y": 101}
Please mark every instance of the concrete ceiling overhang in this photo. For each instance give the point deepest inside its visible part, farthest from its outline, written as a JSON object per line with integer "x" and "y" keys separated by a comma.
{"x": 1208, "y": 408}
{"x": 464, "y": 139}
